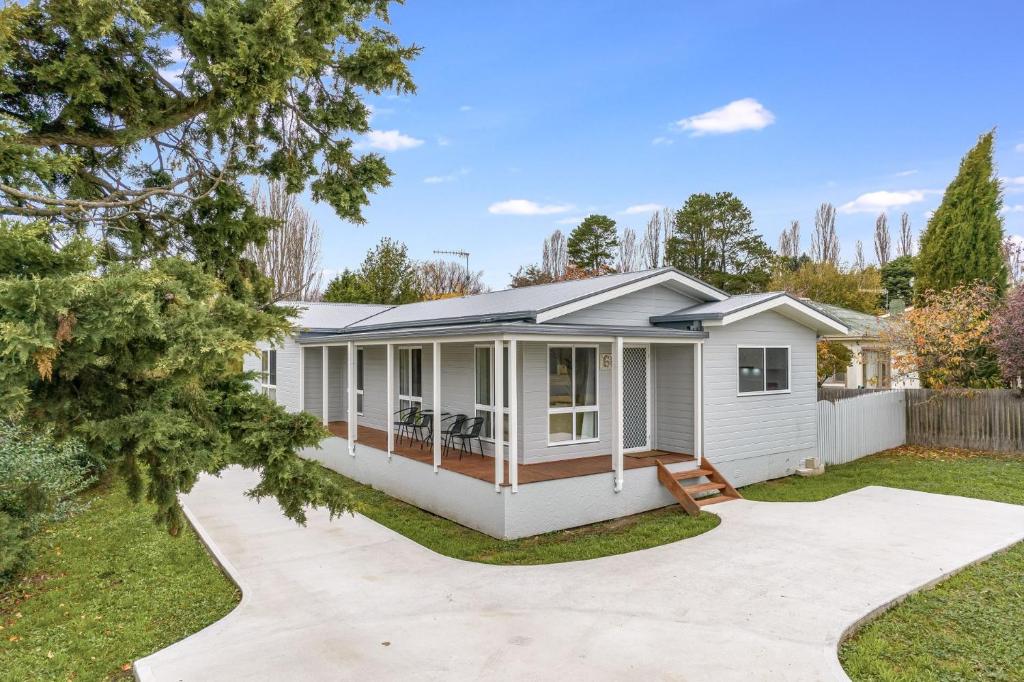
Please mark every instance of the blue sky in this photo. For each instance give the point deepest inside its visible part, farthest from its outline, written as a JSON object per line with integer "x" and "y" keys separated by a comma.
{"x": 571, "y": 108}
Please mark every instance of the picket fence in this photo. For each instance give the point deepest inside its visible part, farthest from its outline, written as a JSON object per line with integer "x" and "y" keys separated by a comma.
{"x": 861, "y": 425}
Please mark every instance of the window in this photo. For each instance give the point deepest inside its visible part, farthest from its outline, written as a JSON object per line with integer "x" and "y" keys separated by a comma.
{"x": 763, "y": 369}
{"x": 359, "y": 381}
{"x": 572, "y": 394}
{"x": 410, "y": 377}
{"x": 485, "y": 391}
{"x": 268, "y": 374}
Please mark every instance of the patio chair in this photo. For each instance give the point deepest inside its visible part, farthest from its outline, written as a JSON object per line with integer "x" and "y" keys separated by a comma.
{"x": 406, "y": 420}
{"x": 425, "y": 429}
{"x": 470, "y": 431}
{"x": 457, "y": 422}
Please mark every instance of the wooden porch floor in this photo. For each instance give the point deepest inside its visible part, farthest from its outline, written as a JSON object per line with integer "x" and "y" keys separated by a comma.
{"x": 482, "y": 468}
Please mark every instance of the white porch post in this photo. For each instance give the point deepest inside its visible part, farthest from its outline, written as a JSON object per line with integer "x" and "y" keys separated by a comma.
{"x": 498, "y": 423}
{"x": 617, "y": 458}
{"x": 323, "y": 384}
{"x": 436, "y": 356}
{"x": 302, "y": 378}
{"x": 391, "y": 397}
{"x": 698, "y": 402}
{"x": 513, "y": 415}
{"x": 353, "y": 427}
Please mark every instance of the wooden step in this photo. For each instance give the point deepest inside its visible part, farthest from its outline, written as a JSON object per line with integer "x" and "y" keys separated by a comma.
{"x": 704, "y": 488}
{"x": 690, "y": 473}
{"x": 715, "y": 499}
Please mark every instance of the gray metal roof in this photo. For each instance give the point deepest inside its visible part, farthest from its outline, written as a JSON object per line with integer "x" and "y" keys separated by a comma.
{"x": 862, "y": 325}
{"x": 318, "y": 338}
{"x": 716, "y": 310}
{"x": 319, "y": 315}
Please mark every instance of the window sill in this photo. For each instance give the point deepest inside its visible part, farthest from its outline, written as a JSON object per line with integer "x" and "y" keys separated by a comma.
{"x": 752, "y": 393}
{"x": 573, "y": 442}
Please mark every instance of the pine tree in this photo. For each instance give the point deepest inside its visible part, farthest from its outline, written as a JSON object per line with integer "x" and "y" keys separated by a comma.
{"x": 592, "y": 245}
{"x": 963, "y": 240}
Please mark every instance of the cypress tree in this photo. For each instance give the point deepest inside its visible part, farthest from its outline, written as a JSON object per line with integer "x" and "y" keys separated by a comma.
{"x": 963, "y": 240}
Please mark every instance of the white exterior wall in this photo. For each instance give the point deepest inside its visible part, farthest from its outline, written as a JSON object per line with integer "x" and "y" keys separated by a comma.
{"x": 633, "y": 309}
{"x": 752, "y": 438}
{"x": 673, "y": 394}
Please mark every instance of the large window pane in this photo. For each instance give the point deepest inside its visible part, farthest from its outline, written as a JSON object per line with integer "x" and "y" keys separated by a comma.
{"x": 776, "y": 370}
{"x": 487, "y": 429}
{"x": 751, "y": 369}
{"x": 359, "y": 369}
{"x": 560, "y": 380}
{"x": 403, "y": 371}
{"x": 483, "y": 376}
{"x": 273, "y": 367}
{"x": 586, "y": 425}
{"x": 416, "y": 362}
{"x": 504, "y": 374}
{"x": 560, "y": 427}
{"x": 586, "y": 376}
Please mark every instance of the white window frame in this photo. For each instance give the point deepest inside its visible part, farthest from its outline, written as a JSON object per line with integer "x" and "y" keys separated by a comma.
{"x": 265, "y": 377}
{"x": 574, "y": 410}
{"x": 409, "y": 398}
{"x": 763, "y": 349}
{"x": 360, "y": 369}
{"x": 478, "y": 407}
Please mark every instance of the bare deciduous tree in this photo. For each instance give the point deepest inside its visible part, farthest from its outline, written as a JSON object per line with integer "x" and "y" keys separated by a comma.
{"x": 789, "y": 241}
{"x": 652, "y": 247}
{"x": 883, "y": 242}
{"x": 629, "y": 255}
{"x": 858, "y": 256}
{"x": 825, "y": 240}
{"x": 555, "y": 258}
{"x": 291, "y": 256}
{"x": 906, "y": 245}
{"x": 445, "y": 278}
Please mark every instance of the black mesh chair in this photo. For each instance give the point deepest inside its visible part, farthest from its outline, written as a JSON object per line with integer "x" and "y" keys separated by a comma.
{"x": 425, "y": 429}
{"x": 455, "y": 426}
{"x": 406, "y": 420}
{"x": 471, "y": 429}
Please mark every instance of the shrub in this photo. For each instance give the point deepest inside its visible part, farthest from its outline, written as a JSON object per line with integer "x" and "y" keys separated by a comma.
{"x": 39, "y": 483}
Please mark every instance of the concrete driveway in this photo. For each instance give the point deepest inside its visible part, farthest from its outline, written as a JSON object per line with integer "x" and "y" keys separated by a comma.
{"x": 765, "y": 596}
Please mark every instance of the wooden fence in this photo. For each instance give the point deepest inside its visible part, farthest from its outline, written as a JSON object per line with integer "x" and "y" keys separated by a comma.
{"x": 990, "y": 420}
{"x": 834, "y": 393}
{"x": 861, "y": 425}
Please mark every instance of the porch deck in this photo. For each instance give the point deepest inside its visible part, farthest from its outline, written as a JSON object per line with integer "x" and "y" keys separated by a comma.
{"x": 482, "y": 468}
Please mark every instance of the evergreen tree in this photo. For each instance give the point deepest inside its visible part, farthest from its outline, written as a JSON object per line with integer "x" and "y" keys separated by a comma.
{"x": 963, "y": 240}
{"x": 898, "y": 280}
{"x": 345, "y": 288}
{"x": 592, "y": 245}
{"x": 714, "y": 239}
{"x": 388, "y": 276}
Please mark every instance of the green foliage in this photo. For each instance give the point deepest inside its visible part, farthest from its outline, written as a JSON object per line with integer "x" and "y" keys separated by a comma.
{"x": 714, "y": 239}
{"x": 833, "y": 357}
{"x": 528, "y": 275}
{"x": 591, "y": 246}
{"x": 964, "y": 237}
{"x": 124, "y": 316}
{"x": 386, "y": 277}
{"x": 107, "y": 587}
{"x": 898, "y": 280}
{"x": 39, "y": 479}
{"x": 825, "y": 283}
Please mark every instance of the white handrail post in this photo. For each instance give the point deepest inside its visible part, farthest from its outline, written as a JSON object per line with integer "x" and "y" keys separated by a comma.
{"x": 617, "y": 455}
{"x": 391, "y": 397}
{"x": 513, "y": 415}
{"x": 353, "y": 427}
{"x": 436, "y": 430}
{"x": 498, "y": 422}
{"x": 323, "y": 384}
{"x": 698, "y": 402}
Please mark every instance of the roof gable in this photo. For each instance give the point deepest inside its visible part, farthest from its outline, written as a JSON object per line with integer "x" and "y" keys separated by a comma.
{"x": 742, "y": 306}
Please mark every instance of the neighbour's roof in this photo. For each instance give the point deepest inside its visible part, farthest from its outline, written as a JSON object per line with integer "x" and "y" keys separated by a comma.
{"x": 862, "y": 325}
{"x": 323, "y": 316}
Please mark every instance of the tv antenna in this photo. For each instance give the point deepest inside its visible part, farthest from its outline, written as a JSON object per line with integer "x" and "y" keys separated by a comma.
{"x": 460, "y": 253}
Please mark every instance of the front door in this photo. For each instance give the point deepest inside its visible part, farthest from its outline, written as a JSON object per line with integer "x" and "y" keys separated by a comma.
{"x": 635, "y": 390}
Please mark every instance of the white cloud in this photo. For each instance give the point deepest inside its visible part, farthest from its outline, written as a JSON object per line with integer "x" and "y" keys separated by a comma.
{"x": 1019, "y": 148}
{"x": 662, "y": 140}
{"x": 905, "y": 174}
{"x": 643, "y": 208}
{"x": 876, "y": 202}
{"x": 1016, "y": 208}
{"x": 526, "y": 207}
{"x": 388, "y": 140}
{"x": 575, "y": 220}
{"x": 451, "y": 177}
{"x": 465, "y": 107}
{"x": 742, "y": 114}
{"x": 443, "y": 141}
{"x": 1013, "y": 185}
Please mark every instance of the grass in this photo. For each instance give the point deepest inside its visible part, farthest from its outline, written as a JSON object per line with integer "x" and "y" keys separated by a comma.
{"x": 106, "y": 587}
{"x": 628, "y": 534}
{"x": 967, "y": 627}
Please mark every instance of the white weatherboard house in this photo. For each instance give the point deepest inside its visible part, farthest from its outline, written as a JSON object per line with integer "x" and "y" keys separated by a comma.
{"x": 618, "y": 394}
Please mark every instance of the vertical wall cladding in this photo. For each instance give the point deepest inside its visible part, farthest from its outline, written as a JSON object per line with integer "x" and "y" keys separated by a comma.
{"x": 337, "y": 383}
{"x": 534, "y": 414}
{"x": 375, "y": 401}
{"x": 254, "y": 363}
{"x": 673, "y": 393}
{"x": 633, "y": 309}
{"x": 313, "y": 380}
{"x": 753, "y": 438}
{"x": 288, "y": 374}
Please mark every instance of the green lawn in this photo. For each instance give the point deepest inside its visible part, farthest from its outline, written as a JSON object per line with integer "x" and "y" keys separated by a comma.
{"x": 966, "y": 628}
{"x": 107, "y": 587}
{"x": 629, "y": 534}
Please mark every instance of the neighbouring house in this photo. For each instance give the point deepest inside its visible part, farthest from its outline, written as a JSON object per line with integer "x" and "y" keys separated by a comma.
{"x": 871, "y": 364}
{"x": 596, "y": 398}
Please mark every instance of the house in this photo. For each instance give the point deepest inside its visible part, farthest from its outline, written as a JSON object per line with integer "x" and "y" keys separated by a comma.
{"x": 614, "y": 391}
{"x": 871, "y": 364}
